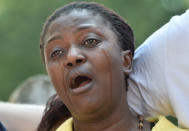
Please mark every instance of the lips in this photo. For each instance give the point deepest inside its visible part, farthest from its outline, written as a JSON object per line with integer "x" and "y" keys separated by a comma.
{"x": 80, "y": 82}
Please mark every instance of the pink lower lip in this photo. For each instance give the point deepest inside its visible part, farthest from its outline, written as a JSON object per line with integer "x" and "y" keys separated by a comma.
{"x": 82, "y": 89}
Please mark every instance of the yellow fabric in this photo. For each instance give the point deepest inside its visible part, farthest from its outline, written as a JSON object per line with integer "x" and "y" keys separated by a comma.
{"x": 162, "y": 125}
{"x": 165, "y": 125}
{"x": 151, "y": 119}
{"x": 66, "y": 126}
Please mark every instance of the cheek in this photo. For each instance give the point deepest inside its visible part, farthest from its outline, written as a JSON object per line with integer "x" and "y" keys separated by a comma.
{"x": 55, "y": 72}
{"x": 102, "y": 67}
{"x": 106, "y": 58}
{"x": 107, "y": 63}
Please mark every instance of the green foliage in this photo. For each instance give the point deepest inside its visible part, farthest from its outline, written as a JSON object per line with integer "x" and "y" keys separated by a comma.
{"x": 21, "y": 22}
{"x": 173, "y": 120}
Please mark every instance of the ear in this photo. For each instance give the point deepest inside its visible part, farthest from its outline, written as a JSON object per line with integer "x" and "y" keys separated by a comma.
{"x": 127, "y": 62}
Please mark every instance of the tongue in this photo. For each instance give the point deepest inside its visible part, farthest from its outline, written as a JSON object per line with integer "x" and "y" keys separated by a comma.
{"x": 83, "y": 83}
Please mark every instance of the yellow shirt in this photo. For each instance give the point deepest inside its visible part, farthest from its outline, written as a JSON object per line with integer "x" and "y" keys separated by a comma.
{"x": 162, "y": 125}
{"x": 165, "y": 125}
{"x": 66, "y": 126}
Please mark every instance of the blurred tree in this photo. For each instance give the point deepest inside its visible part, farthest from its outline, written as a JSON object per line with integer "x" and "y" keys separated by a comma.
{"x": 21, "y": 23}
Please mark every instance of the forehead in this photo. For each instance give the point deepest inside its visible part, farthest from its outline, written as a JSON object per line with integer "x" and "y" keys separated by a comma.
{"x": 78, "y": 19}
{"x": 79, "y": 16}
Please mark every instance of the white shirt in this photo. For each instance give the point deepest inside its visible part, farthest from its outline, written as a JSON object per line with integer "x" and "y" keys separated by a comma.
{"x": 20, "y": 117}
{"x": 159, "y": 83}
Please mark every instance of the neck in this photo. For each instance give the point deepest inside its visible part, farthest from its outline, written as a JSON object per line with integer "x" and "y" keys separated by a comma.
{"x": 120, "y": 119}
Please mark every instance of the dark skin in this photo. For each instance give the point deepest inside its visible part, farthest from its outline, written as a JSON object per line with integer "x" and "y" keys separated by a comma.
{"x": 87, "y": 67}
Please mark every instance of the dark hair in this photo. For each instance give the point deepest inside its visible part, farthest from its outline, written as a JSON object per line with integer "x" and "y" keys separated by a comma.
{"x": 55, "y": 113}
{"x": 56, "y": 110}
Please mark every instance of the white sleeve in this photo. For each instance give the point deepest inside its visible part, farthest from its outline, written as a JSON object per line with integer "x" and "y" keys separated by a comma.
{"x": 159, "y": 83}
{"x": 20, "y": 117}
{"x": 177, "y": 67}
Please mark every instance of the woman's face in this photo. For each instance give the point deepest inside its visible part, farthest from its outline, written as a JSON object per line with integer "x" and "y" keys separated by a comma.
{"x": 84, "y": 60}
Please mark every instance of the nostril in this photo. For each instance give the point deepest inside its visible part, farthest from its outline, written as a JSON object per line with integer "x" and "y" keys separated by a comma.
{"x": 79, "y": 61}
{"x": 69, "y": 64}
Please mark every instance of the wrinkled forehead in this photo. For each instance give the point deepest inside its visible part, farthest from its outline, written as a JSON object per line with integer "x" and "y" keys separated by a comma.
{"x": 80, "y": 17}
{"x": 85, "y": 14}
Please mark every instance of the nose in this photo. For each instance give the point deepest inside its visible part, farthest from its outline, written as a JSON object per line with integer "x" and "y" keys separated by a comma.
{"x": 74, "y": 58}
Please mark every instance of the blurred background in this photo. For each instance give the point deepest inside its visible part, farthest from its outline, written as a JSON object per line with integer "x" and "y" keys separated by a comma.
{"x": 21, "y": 22}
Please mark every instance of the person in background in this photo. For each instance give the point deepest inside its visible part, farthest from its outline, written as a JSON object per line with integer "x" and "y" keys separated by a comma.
{"x": 20, "y": 117}
{"x": 26, "y": 106}
{"x": 2, "y": 128}
{"x": 36, "y": 89}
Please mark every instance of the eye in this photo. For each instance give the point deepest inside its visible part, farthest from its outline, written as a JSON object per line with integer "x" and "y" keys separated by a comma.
{"x": 90, "y": 43}
{"x": 57, "y": 53}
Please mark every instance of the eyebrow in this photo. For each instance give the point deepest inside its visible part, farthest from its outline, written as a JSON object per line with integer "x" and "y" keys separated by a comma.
{"x": 88, "y": 27}
{"x": 56, "y": 37}
{"x": 85, "y": 27}
{"x": 52, "y": 38}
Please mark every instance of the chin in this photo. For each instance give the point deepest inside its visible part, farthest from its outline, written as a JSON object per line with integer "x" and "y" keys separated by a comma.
{"x": 87, "y": 108}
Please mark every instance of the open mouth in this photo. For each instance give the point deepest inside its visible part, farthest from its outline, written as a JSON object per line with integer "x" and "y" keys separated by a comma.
{"x": 80, "y": 81}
